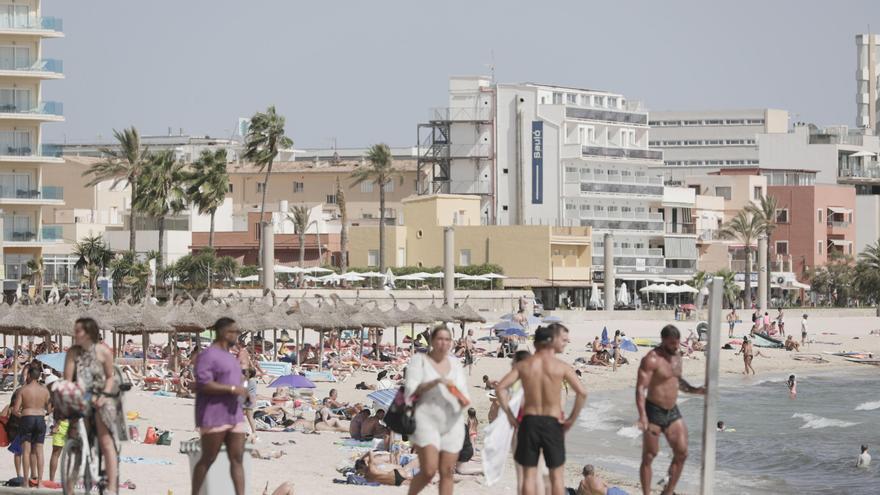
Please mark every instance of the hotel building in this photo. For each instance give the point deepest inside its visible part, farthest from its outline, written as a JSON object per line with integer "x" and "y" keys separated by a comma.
{"x": 24, "y": 161}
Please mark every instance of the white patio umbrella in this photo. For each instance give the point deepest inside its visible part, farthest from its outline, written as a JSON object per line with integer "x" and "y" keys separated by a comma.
{"x": 435, "y": 275}
{"x": 493, "y": 275}
{"x": 370, "y": 274}
{"x": 317, "y": 269}
{"x": 623, "y": 295}
{"x": 249, "y": 278}
{"x": 595, "y": 297}
{"x": 351, "y": 277}
{"x": 287, "y": 269}
{"x": 411, "y": 276}
{"x": 475, "y": 278}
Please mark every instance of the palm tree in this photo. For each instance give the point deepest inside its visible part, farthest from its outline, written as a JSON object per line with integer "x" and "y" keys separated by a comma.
{"x": 299, "y": 216}
{"x": 93, "y": 255}
{"x": 728, "y": 286}
{"x": 129, "y": 272}
{"x": 343, "y": 233}
{"x": 225, "y": 268}
{"x": 871, "y": 255}
{"x": 264, "y": 138}
{"x": 35, "y": 266}
{"x": 765, "y": 211}
{"x": 746, "y": 228}
{"x": 162, "y": 193}
{"x": 381, "y": 172}
{"x": 208, "y": 185}
{"x": 125, "y": 164}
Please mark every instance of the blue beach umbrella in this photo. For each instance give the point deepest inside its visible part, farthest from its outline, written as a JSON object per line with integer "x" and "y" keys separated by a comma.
{"x": 605, "y": 340}
{"x": 514, "y": 332}
{"x": 383, "y": 397}
{"x": 292, "y": 381}
{"x": 506, "y": 325}
{"x": 628, "y": 345}
{"x": 54, "y": 360}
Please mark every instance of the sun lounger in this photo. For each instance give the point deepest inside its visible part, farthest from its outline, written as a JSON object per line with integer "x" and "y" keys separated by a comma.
{"x": 320, "y": 376}
{"x": 273, "y": 368}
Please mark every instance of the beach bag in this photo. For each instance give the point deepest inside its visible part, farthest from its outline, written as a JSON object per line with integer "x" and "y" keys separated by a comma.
{"x": 151, "y": 437}
{"x": 164, "y": 438}
{"x": 399, "y": 417}
{"x": 133, "y": 434}
{"x": 68, "y": 399}
{"x": 4, "y": 437}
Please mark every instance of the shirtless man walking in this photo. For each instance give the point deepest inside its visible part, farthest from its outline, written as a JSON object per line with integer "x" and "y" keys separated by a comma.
{"x": 32, "y": 405}
{"x": 542, "y": 428}
{"x": 659, "y": 381}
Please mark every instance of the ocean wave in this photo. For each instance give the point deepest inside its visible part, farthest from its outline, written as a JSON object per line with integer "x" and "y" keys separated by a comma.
{"x": 598, "y": 416}
{"x": 868, "y": 406}
{"x": 630, "y": 432}
{"x": 814, "y": 422}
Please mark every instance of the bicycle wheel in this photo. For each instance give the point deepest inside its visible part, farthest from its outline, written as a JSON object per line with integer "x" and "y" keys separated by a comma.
{"x": 71, "y": 460}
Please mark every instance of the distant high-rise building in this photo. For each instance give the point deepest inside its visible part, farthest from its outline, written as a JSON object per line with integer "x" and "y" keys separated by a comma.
{"x": 868, "y": 59}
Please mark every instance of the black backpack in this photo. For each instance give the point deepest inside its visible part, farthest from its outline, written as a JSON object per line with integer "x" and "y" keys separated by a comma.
{"x": 399, "y": 417}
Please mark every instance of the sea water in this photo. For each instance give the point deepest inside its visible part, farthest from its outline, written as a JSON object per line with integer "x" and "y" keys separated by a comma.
{"x": 806, "y": 445}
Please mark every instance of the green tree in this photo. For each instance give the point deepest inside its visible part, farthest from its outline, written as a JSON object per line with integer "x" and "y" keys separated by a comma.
{"x": 299, "y": 216}
{"x": 343, "y": 232}
{"x": 728, "y": 286}
{"x": 208, "y": 185}
{"x": 381, "y": 171}
{"x": 162, "y": 194}
{"x": 265, "y": 137}
{"x": 123, "y": 165}
{"x": 834, "y": 281}
{"x": 867, "y": 273}
{"x": 132, "y": 273}
{"x": 93, "y": 256}
{"x": 36, "y": 269}
{"x": 746, "y": 228}
{"x": 765, "y": 211}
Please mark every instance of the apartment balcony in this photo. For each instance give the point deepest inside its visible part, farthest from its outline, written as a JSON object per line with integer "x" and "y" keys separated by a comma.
{"x": 681, "y": 228}
{"x": 43, "y": 27}
{"x": 32, "y": 238}
{"x": 708, "y": 235}
{"x": 47, "y": 195}
{"x": 24, "y": 153}
{"x": 631, "y": 153}
{"x": 599, "y": 252}
{"x": 606, "y": 115}
{"x": 632, "y": 262}
{"x": 41, "y": 69}
{"x": 47, "y": 111}
{"x": 603, "y": 220}
{"x": 837, "y": 227}
{"x": 463, "y": 186}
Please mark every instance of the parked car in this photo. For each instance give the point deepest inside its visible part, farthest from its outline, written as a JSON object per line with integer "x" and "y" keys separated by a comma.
{"x": 538, "y": 307}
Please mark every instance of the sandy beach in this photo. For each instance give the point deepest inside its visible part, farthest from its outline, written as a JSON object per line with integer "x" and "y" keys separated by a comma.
{"x": 311, "y": 462}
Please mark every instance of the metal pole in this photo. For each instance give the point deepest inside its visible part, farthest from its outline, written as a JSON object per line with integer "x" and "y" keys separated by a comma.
{"x": 710, "y": 406}
{"x": 762, "y": 274}
{"x": 449, "y": 266}
{"x": 268, "y": 256}
{"x": 609, "y": 272}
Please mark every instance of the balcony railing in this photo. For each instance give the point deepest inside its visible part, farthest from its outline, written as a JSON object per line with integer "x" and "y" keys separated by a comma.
{"x": 630, "y": 252}
{"x": 599, "y": 187}
{"x": 838, "y": 224}
{"x": 25, "y": 235}
{"x": 44, "y": 108}
{"x": 629, "y": 261}
{"x": 460, "y": 114}
{"x": 607, "y": 115}
{"x": 622, "y": 152}
{"x": 47, "y": 192}
{"x": 708, "y": 235}
{"x": 45, "y": 65}
{"x": 53, "y": 233}
{"x": 36, "y": 23}
{"x": 681, "y": 228}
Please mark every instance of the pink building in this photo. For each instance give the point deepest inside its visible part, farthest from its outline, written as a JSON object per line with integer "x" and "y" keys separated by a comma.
{"x": 812, "y": 222}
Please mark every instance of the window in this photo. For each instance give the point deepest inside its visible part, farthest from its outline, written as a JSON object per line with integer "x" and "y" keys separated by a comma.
{"x": 758, "y": 193}
{"x": 367, "y": 186}
{"x": 819, "y": 247}
{"x": 571, "y": 98}
{"x": 557, "y": 98}
{"x": 724, "y": 192}
{"x": 819, "y": 214}
{"x": 782, "y": 215}
{"x": 781, "y": 247}
{"x": 298, "y": 187}
{"x": 389, "y": 186}
{"x": 373, "y": 257}
{"x": 331, "y": 199}
{"x": 464, "y": 257}
{"x": 367, "y": 215}
{"x": 260, "y": 187}
{"x": 230, "y": 187}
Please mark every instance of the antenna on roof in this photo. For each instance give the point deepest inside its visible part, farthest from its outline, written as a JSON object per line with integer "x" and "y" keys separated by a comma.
{"x": 491, "y": 65}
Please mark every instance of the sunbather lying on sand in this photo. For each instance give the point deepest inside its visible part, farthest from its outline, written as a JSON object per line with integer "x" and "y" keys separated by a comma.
{"x": 386, "y": 474}
{"x": 325, "y": 420}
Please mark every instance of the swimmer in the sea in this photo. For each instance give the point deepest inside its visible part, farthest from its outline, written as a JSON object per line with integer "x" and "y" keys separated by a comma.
{"x": 792, "y": 386}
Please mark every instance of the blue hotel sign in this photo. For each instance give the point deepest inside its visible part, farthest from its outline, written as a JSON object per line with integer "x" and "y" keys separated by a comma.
{"x": 537, "y": 162}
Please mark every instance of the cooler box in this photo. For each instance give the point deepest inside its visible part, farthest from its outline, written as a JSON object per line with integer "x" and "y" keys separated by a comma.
{"x": 218, "y": 481}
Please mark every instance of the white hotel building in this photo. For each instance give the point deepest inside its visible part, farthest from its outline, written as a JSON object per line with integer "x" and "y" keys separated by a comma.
{"x": 553, "y": 155}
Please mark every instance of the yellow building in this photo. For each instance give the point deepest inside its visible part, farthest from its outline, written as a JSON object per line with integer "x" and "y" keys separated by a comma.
{"x": 538, "y": 256}
{"x": 24, "y": 161}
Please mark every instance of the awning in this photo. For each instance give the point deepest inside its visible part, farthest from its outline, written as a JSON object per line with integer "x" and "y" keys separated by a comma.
{"x": 838, "y": 209}
{"x": 839, "y": 242}
{"x": 862, "y": 153}
{"x": 797, "y": 285}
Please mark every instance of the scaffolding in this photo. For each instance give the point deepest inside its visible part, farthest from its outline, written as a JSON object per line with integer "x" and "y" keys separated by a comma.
{"x": 436, "y": 151}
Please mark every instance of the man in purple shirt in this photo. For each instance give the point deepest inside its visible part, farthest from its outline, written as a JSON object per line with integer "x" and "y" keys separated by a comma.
{"x": 219, "y": 418}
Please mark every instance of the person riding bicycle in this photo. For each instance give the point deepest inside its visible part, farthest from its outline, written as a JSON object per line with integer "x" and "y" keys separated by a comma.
{"x": 91, "y": 366}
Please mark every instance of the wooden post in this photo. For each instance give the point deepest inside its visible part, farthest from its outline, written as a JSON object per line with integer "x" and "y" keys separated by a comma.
{"x": 173, "y": 346}
{"x": 395, "y": 341}
{"x": 274, "y": 344}
{"x": 15, "y": 361}
{"x": 361, "y": 352}
{"x": 710, "y": 405}
{"x": 321, "y": 353}
{"x": 412, "y": 339}
{"x": 145, "y": 345}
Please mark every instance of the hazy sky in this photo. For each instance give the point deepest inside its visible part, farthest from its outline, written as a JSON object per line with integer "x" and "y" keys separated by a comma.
{"x": 365, "y": 71}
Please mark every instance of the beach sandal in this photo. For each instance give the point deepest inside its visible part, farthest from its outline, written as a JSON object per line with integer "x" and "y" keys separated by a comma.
{"x": 128, "y": 484}
{"x": 292, "y": 441}
{"x": 278, "y": 443}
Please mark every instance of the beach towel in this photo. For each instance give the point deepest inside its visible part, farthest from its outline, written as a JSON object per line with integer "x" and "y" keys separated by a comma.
{"x": 352, "y": 443}
{"x": 497, "y": 439}
{"x": 128, "y": 459}
{"x": 320, "y": 376}
{"x": 273, "y": 368}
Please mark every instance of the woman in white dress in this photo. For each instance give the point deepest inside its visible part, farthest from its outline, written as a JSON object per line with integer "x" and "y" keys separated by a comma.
{"x": 438, "y": 382}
